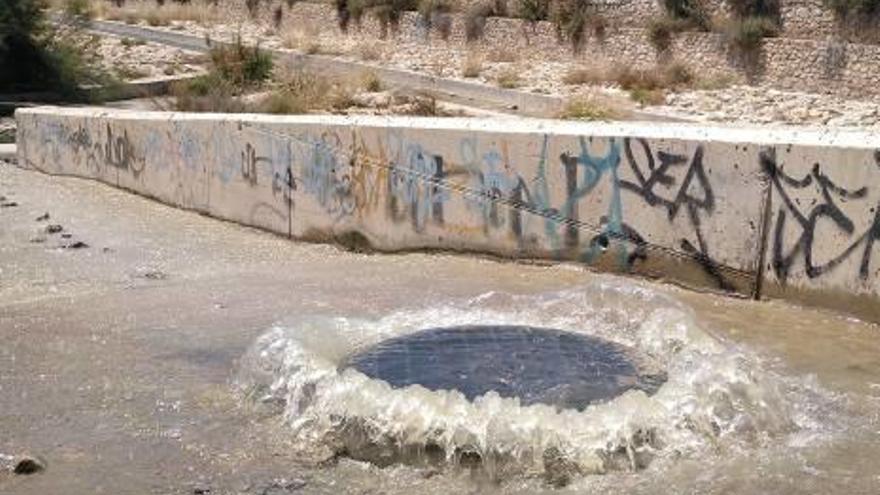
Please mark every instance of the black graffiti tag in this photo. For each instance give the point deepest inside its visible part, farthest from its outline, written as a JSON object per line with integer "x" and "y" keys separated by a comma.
{"x": 119, "y": 152}
{"x": 656, "y": 175}
{"x": 827, "y": 208}
{"x": 284, "y": 184}
{"x": 249, "y": 163}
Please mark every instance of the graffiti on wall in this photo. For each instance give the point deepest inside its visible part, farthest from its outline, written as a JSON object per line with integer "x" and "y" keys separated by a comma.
{"x": 593, "y": 199}
{"x": 825, "y": 209}
{"x": 119, "y": 152}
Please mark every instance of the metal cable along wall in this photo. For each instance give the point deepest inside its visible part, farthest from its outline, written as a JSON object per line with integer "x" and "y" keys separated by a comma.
{"x": 465, "y": 191}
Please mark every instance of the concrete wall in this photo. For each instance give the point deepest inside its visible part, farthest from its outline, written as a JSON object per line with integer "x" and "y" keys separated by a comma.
{"x": 697, "y": 205}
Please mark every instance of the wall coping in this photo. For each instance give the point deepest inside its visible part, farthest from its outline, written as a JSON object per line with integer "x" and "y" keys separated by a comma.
{"x": 736, "y": 134}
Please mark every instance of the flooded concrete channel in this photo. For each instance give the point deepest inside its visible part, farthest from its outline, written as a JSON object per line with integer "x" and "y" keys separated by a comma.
{"x": 147, "y": 349}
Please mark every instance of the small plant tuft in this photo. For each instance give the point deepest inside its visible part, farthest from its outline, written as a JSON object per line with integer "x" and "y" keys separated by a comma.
{"x": 371, "y": 81}
{"x": 240, "y": 65}
{"x": 582, "y": 108}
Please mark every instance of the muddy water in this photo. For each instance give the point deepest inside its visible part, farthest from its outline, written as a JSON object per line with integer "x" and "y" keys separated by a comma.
{"x": 177, "y": 350}
{"x": 760, "y": 397}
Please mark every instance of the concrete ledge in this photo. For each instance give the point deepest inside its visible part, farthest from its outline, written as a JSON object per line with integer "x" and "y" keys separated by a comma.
{"x": 742, "y": 211}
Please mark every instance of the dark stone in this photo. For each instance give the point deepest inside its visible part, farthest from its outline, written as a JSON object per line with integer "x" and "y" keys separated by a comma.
{"x": 155, "y": 275}
{"x": 43, "y": 217}
{"x": 76, "y": 245}
{"x": 38, "y": 240}
{"x": 537, "y": 365}
{"x": 28, "y": 465}
{"x": 54, "y": 229}
{"x": 8, "y": 204}
{"x": 66, "y": 235}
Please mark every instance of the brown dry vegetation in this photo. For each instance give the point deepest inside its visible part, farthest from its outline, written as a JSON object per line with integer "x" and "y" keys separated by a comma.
{"x": 472, "y": 65}
{"x": 591, "y": 108}
{"x": 509, "y": 78}
{"x": 645, "y": 86}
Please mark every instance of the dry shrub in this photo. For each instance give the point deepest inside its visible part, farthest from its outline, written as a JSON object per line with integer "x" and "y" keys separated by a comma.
{"x": 646, "y": 97}
{"x": 206, "y": 94}
{"x": 509, "y": 78}
{"x": 241, "y": 65}
{"x": 305, "y": 92}
{"x": 423, "y": 105}
{"x": 589, "y": 108}
{"x": 648, "y": 87}
{"x": 472, "y": 65}
{"x": 678, "y": 75}
{"x": 586, "y": 76}
{"x": 371, "y": 81}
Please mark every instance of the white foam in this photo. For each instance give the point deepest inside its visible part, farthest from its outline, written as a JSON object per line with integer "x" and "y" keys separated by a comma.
{"x": 717, "y": 396}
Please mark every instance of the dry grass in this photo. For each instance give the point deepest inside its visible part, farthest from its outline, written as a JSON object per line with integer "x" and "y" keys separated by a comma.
{"x": 647, "y": 97}
{"x": 472, "y": 65}
{"x": 304, "y": 92}
{"x": 423, "y": 105}
{"x": 509, "y": 78}
{"x": 590, "y": 108}
{"x": 155, "y": 15}
{"x": 645, "y": 86}
{"x": 371, "y": 81}
{"x": 594, "y": 76}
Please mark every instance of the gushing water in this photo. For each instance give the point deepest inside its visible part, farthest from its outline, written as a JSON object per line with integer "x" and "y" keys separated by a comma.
{"x": 717, "y": 397}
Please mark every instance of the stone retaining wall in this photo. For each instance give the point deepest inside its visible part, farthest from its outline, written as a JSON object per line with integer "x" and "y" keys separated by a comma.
{"x": 826, "y": 66}
{"x": 791, "y": 213}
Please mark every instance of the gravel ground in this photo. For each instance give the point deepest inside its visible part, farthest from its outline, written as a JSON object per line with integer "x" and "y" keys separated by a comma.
{"x": 131, "y": 59}
{"x": 733, "y": 104}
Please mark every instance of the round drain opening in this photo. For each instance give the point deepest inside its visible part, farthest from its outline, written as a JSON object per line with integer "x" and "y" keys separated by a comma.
{"x": 537, "y": 365}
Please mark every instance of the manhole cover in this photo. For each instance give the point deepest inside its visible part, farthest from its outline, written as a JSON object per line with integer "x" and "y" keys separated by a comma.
{"x": 538, "y": 365}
